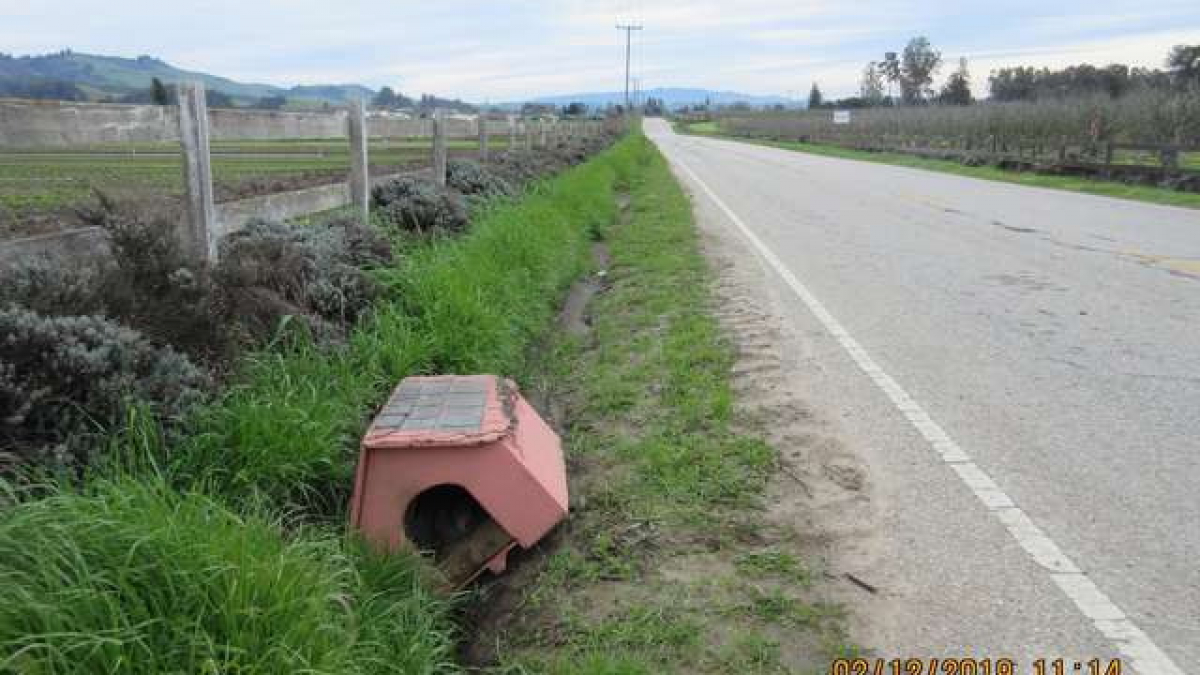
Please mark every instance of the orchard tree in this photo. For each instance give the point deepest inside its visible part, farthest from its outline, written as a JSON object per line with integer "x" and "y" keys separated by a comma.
{"x": 918, "y": 64}
{"x": 889, "y": 70}
{"x": 814, "y": 97}
{"x": 870, "y": 88}
{"x": 957, "y": 90}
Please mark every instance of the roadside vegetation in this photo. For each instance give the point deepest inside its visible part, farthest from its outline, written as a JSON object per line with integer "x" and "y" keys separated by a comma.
{"x": 1107, "y": 188}
{"x": 667, "y": 563}
{"x": 1142, "y": 116}
{"x": 1116, "y": 130}
{"x": 189, "y": 514}
{"x": 210, "y": 537}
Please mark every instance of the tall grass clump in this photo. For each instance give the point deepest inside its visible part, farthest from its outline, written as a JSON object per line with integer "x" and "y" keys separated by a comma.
{"x": 131, "y": 577}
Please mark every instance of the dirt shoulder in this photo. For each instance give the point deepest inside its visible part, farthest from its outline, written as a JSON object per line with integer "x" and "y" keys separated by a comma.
{"x": 695, "y": 542}
{"x": 824, "y": 491}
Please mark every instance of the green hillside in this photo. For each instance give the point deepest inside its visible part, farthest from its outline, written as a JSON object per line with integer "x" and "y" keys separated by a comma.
{"x": 112, "y": 72}
{"x": 73, "y": 75}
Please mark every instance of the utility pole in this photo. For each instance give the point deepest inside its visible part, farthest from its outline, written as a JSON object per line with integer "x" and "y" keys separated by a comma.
{"x": 628, "y": 28}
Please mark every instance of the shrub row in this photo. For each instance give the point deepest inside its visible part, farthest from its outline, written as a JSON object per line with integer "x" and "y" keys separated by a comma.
{"x": 77, "y": 345}
{"x": 64, "y": 380}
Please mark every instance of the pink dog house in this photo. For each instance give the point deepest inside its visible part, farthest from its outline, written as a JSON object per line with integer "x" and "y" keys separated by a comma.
{"x": 461, "y": 465}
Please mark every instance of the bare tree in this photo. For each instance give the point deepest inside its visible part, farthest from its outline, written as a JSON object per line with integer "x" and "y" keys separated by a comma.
{"x": 889, "y": 69}
{"x": 870, "y": 88}
{"x": 918, "y": 65}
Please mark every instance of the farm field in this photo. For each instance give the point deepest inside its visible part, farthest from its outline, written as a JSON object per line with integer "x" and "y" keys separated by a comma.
{"x": 49, "y": 179}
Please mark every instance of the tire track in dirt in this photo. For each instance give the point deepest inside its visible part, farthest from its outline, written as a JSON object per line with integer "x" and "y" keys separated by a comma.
{"x": 820, "y": 500}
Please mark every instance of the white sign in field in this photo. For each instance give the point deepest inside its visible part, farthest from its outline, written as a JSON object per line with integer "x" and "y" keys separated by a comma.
{"x": 841, "y": 117}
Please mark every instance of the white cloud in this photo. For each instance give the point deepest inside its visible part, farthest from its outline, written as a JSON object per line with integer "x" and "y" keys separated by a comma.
{"x": 512, "y": 49}
{"x": 1147, "y": 49}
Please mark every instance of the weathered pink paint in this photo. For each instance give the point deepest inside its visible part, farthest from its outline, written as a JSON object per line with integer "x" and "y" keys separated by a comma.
{"x": 511, "y": 462}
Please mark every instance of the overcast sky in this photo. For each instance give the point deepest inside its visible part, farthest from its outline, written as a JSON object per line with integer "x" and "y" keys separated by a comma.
{"x": 500, "y": 51}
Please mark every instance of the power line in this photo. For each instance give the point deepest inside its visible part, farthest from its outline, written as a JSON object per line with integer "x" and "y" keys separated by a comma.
{"x": 628, "y": 28}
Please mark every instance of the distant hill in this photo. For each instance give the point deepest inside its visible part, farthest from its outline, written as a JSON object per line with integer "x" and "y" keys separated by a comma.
{"x": 673, "y": 97}
{"x": 73, "y": 75}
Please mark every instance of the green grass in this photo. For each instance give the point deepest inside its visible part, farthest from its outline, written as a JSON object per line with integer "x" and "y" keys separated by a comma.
{"x": 772, "y": 563}
{"x": 666, "y": 477}
{"x": 1120, "y": 190}
{"x": 221, "y": 547}
{"x": 708, "y": 127}
{"x": 130, "y": 577}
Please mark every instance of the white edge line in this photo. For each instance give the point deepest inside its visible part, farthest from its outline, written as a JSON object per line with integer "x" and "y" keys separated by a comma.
{"x": 1144, "y": 656}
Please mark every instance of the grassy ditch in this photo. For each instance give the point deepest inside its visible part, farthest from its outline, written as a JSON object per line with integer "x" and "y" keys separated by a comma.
{"x": 1120, "y": 190}
{"x": 667, "y": 563}
{"x": 289, "y": 435}
{"x": 220, "y": 547}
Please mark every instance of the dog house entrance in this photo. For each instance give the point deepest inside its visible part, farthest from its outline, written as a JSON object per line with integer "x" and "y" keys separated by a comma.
{"x": 447, "y": 520}
{"x": 442, "y": 516}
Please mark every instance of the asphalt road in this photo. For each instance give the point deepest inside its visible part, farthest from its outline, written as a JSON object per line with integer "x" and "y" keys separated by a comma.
{"x": 1053, "y": 337}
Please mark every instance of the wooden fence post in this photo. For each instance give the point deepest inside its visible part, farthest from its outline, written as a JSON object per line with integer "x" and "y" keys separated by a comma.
{"x": 542, "y": 133}
{"x": 199, "y": 238}
{"x": 439, "y": 148}
{"x": 528, "y": 133}
{"x": 1108, "y": 152}
{"x": 512, "y": 134}
{"x": 483, "y": 137}
{"x": 360, "y": 181}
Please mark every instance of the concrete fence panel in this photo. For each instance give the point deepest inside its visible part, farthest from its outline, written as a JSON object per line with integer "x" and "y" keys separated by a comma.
{"x": 37, "y": 124}
{"x": 27, "y": 124}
